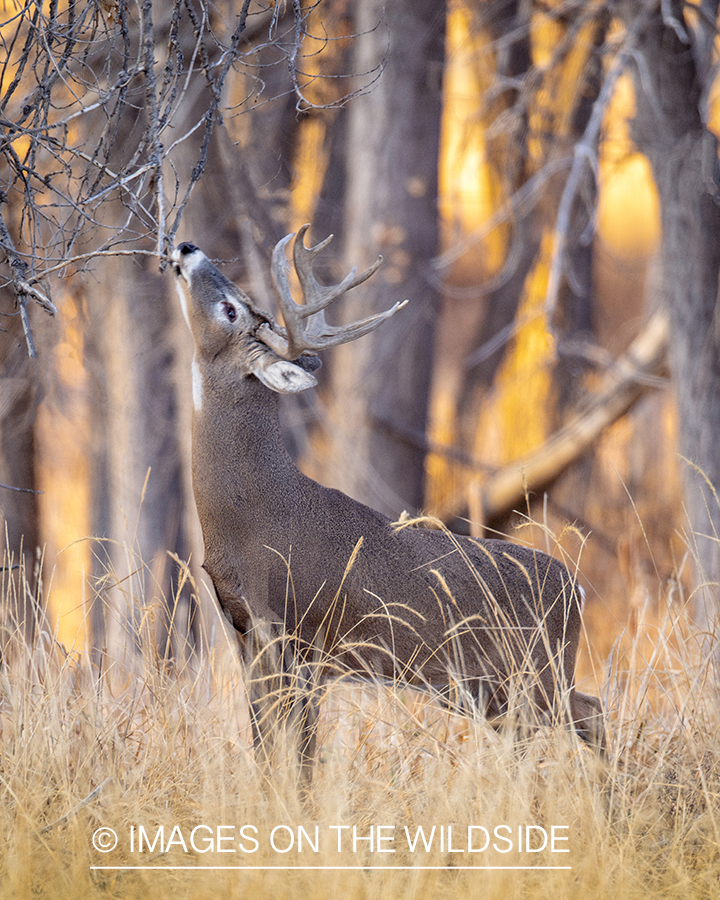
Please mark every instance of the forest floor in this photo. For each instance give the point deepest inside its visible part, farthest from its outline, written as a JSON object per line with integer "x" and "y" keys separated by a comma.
{"x": 141, "y": 781}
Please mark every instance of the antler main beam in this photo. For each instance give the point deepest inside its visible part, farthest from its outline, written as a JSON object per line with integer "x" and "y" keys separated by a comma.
{"x": 305, "y": 327}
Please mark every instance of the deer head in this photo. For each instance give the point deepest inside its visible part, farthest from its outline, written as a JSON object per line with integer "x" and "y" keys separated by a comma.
{"x": 225, "y": 321}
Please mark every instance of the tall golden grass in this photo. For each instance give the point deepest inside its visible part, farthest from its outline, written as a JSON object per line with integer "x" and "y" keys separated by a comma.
{"x": 160, "y": 752}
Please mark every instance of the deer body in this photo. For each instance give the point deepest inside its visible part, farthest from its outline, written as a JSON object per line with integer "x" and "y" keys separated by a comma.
{"x": 376, "y": 598}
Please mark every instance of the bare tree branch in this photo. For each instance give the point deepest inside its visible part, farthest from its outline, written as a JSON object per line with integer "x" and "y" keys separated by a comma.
{"x": 23, "y": 290}
{"x": 586, "y": 152}
{"x": 624, "y": 384}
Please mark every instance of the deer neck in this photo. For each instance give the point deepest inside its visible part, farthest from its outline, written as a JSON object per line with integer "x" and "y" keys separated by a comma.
{"x": 241, "y": 468}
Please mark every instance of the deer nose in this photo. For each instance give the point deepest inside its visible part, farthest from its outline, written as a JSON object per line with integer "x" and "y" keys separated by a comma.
{"x": 186, "y": 248}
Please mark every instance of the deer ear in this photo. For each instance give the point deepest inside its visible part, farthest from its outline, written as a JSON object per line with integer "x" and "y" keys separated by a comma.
{"x": 284, "y": 377}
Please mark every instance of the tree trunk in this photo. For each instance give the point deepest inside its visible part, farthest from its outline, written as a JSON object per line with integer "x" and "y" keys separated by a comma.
{"x": 669, "y": 129}
{"x": 19, "y": 399}
{"x": 380, "y": 384}
{"x": 140, "y": 501}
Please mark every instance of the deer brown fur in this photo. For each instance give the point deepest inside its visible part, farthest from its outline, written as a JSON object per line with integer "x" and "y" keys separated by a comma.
{"x": 333, "y": 577}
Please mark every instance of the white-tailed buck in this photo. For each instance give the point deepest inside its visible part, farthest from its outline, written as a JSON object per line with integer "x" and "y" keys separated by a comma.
{"x": 315, "y": 575}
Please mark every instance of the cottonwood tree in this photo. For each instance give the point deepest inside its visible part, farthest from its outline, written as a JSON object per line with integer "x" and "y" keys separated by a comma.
{"x": 127, "y": 127}
{"x": 111, "y": 114}
{"x": 380, "y": 386}
{"x": 674, "y": 67}
{"x": 546, "y": 110}
{"x": 96, "y": 135}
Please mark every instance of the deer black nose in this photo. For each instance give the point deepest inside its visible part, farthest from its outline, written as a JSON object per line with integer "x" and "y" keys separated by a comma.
{"x": 186, "y": 248}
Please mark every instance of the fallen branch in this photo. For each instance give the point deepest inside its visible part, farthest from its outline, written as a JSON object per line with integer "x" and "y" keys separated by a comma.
{"x": 622, "y": 387}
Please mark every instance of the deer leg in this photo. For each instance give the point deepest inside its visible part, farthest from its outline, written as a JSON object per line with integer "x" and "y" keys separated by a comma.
{"x": 587, "y": 720}
{"x": 264, "y": 683}
{"x": 281, "y": 687}
{"x": 301, "y": 707}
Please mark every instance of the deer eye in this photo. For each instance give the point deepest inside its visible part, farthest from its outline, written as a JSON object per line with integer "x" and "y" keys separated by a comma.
{"x": 230, "y": 312}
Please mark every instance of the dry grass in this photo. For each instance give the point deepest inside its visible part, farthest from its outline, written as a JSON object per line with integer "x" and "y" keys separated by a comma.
{"x": 166, "y": 746}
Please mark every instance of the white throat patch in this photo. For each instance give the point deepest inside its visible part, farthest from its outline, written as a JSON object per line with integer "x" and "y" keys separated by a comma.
{"x": 183, "y": 303}
{"x": 197, "y": 385}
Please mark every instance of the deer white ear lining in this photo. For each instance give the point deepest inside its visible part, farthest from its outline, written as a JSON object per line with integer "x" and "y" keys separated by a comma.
{"x": 285, "y": 377}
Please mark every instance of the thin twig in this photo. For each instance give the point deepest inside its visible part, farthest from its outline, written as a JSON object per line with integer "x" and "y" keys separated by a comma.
{"x": 153, "y": 111}
{"x": 10, "y": 487}
{"x": 22, "y": 288}
{"x": 98, "y": 254}
{"x": 211, "y": 116}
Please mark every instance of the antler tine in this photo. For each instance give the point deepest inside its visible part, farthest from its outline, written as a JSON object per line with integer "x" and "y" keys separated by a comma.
{"x": 283, "y": 340}
{"x": 279, "y": 272}
{"x": 316, "y": 296}
{"x": 331, "y": 336}
{"x": 299, "y": 336}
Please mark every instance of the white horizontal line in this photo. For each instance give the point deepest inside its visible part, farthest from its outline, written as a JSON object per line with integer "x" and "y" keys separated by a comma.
{"x": 332, "y": 868}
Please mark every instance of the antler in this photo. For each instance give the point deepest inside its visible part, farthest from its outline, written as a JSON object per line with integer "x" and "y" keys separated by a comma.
{"x": 315, "y": 334}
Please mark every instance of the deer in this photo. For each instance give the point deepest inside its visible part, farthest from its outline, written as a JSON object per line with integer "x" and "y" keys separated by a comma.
{"x": 305, "y": 573}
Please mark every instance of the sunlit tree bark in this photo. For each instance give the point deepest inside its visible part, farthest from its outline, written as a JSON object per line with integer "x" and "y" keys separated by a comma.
{"x": 672, "y": 84}
{"x": 539, "y": 97}
{"x": 141, "y": 507}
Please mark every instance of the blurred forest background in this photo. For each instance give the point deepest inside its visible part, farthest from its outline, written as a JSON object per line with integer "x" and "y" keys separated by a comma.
{"x": 541, "y": 179}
